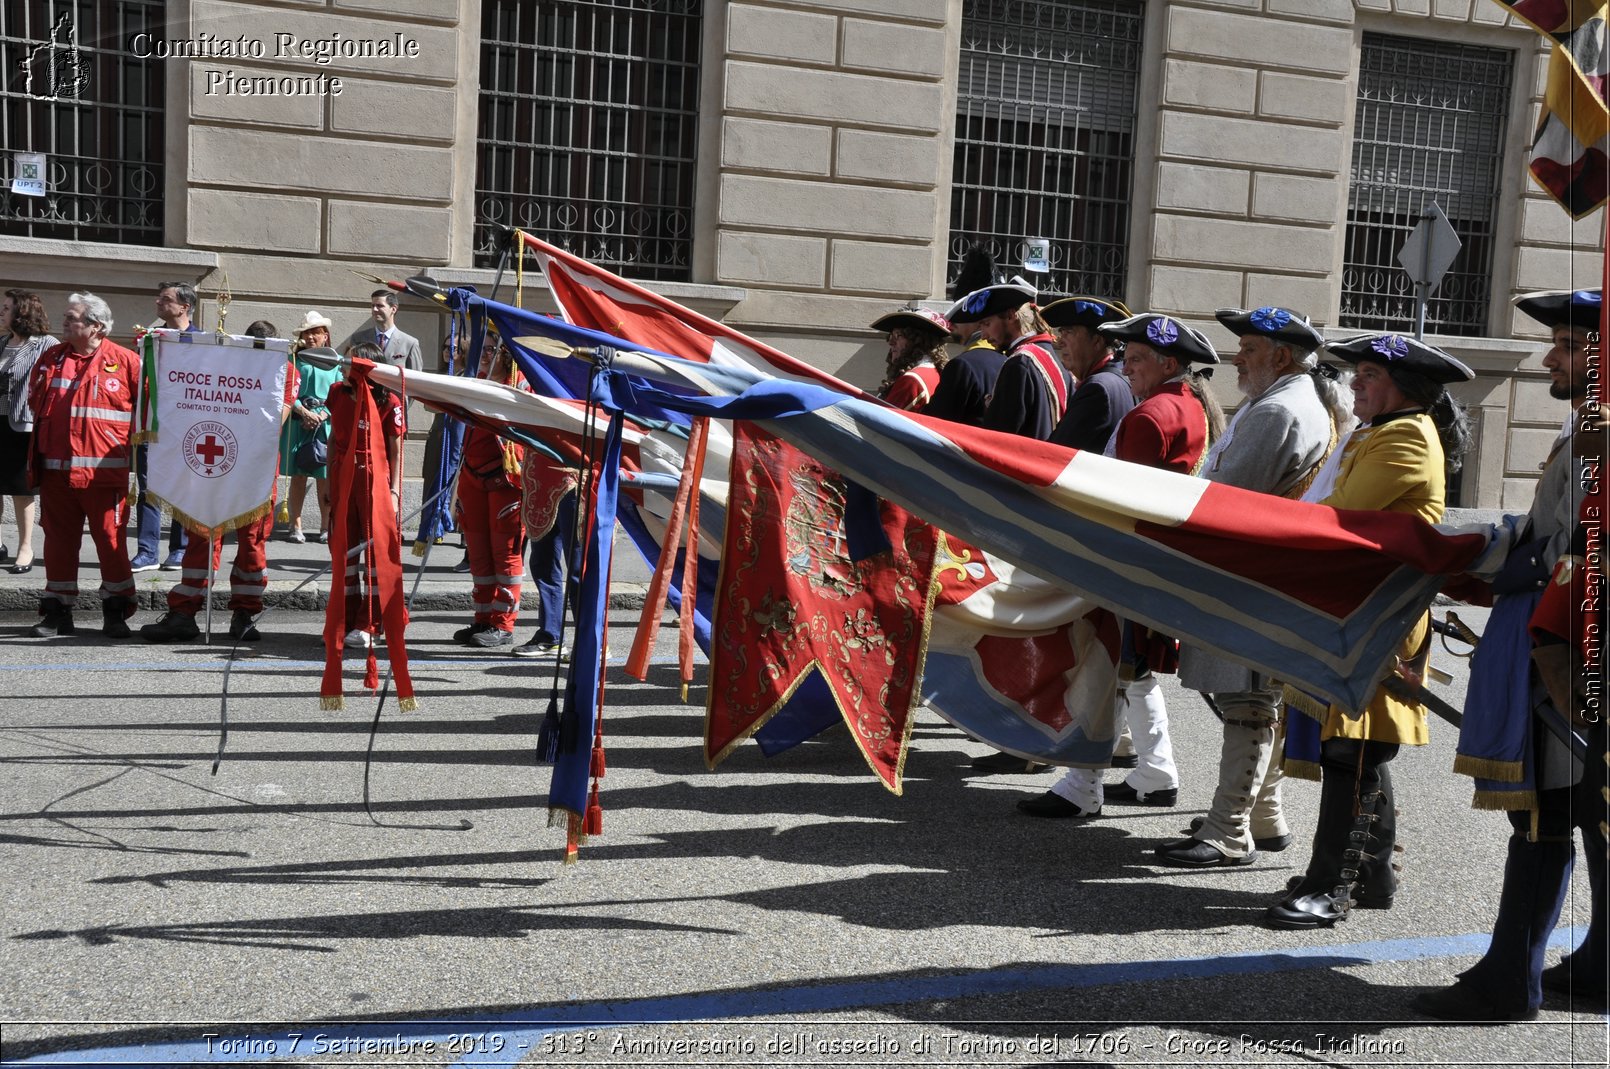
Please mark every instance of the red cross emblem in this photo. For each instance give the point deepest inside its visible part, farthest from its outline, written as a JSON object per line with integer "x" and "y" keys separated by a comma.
{"x": 209, "y": 449}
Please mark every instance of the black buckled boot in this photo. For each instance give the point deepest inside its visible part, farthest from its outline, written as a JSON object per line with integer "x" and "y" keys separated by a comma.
{"x": 115, "y": 613}
{"x": 1321, "y": 896}
{"x": 1378, "y": 869}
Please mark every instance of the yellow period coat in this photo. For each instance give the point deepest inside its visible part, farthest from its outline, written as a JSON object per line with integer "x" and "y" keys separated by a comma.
{"x": 1396, "y": 466}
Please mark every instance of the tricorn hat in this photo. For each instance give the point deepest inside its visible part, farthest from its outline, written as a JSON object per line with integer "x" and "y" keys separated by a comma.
{"x": 1083, "y": 312}
{"x": 912, "y": 316}
{"x": 1278, "y": 324}
{"x": 1407, "y": 354}
{"x": 1563, "y": 308}
{"x": 1165, "y": 334}
{"x": 991, "y": 300}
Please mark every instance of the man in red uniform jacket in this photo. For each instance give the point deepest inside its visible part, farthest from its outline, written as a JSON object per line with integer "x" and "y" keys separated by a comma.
{"x": 83, "y": 393}
{"x": 1168, "y": 429}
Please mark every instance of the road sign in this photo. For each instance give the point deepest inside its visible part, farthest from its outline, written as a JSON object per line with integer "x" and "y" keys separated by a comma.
{"x": 1426, "y": 256}
{"x": 1431, "y": 247}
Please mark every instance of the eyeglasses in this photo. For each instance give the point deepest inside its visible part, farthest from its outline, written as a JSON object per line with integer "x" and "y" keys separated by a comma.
{"x": 69, "y": 317}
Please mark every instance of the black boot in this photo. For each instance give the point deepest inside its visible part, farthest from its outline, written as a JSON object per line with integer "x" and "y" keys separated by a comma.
{"x": 1378, "y": 870}
{"x": 115, "y": 617}
{"x": 56, "y": 619}
{"x": 1321, "y": 897}
{"x": 1505, "y": 985}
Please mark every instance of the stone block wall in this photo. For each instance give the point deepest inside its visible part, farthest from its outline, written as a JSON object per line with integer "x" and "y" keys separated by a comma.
{"x": 833, "y": 163}
{"x": 1248, "y": 203}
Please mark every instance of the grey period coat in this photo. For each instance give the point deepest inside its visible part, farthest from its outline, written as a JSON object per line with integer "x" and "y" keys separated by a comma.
{"x": 1272, "y": 442}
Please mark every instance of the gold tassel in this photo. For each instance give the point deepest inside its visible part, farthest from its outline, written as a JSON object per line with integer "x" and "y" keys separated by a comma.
{"x": 332, "y": 703}
{"x": 408, "y": 705}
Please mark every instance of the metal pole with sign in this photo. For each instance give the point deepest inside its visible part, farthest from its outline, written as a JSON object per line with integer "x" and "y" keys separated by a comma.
{"x": 1426, "y": 256}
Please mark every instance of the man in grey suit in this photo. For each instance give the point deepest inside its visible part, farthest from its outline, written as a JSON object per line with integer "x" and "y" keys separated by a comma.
{"x": 1293, "y": 417}
{"x": 400, "y": 348}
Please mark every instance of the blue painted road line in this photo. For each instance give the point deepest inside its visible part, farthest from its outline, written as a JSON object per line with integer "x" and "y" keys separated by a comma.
{"x": 520, "y": 1034}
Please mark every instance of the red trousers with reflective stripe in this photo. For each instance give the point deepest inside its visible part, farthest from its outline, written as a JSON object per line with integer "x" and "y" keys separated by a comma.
{"x": 63, "y": 512}
{"x": 493, "y": 537}
{"x": 247, "y": 580}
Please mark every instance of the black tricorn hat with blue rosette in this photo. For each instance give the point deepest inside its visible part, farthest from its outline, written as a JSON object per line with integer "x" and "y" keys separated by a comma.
{"x": 1403, "y": 353}
{"x": 1277, "y": 324}
{"x": 1579, "y": 309}
{"x": 1081, "y": 311}
{"x": 1165, "y": 334}
{"x": 991, "y": 300}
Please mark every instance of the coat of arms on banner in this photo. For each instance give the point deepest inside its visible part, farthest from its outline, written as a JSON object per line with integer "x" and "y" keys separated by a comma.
{"x": 211, "y": 421}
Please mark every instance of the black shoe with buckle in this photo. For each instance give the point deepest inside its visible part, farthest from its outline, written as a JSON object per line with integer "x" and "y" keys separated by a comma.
{"x": 1196, "y": 854}
{"x": 990, "y": 764}
{"x": 1272, "y": 844}
{"x": 242, "y": 629}
{"x": 1124, "y": 794}
{"x": 174, "y": 626}
{"x": 1053, "y": 806}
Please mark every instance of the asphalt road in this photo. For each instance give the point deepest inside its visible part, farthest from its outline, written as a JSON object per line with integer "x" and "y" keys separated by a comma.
{"x": 782, "y": 911}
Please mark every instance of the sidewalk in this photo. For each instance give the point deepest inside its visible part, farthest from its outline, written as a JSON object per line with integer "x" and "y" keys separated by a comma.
{"x": 291, "y": 565}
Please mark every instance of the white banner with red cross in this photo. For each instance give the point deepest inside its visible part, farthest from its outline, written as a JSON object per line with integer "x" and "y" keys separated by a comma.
{"x": 211, "y": 421}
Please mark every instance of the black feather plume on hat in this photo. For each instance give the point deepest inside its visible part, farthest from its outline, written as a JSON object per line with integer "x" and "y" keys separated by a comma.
{"x": 977, "y": 271}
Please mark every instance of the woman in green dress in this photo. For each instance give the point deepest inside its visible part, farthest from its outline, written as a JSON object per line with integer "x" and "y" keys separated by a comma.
{"x": 309, "y": 420}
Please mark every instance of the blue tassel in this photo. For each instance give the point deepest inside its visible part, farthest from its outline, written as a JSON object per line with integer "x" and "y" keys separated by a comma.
{"x": 548, "y": 734}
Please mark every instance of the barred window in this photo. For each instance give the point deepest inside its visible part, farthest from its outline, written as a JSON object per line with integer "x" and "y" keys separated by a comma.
{"x": 75, "y": 93}
{"x": 589, "y": 129}
{"x": 1045, "y": 123}
{"x": 1430, "y": 126}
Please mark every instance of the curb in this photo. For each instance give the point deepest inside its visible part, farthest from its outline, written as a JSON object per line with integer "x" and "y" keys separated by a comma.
{"x": 623, "y": 596}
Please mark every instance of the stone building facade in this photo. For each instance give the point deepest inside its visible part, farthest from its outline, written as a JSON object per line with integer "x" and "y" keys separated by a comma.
{"x": 827, "y": 149}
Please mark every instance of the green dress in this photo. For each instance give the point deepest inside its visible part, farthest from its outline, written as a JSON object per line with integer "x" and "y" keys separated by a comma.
{"x": 314, "y": 389}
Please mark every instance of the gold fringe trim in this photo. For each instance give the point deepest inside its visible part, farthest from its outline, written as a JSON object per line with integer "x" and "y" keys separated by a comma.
{"x": 142, "y": 437}
{"x": 1489, "y": 768}
{"x": 419, "y": 549}
{"x": 332, "y": 703}
{"x": 1504, "y": 800}
{"x": 190, "y": 523}
{"x": 1305, "y": 703}
{"x": 408, "y": 705}
{"x": 1308, "y": 770}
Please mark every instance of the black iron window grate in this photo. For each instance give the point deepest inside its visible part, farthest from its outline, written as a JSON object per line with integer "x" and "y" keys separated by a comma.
{"x": 1430, "y": 126}
{"x": 589, "y": 129}
{"x": 75, "y": 91}
{"x": 1045, "y": 121}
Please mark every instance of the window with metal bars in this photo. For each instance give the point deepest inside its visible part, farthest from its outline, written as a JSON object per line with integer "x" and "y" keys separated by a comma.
{"x": 589, "y": 129}
{"x": 75, "y": 92}
{"x": 1430, "y": 126}
{"x": 1045, "y": 123}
